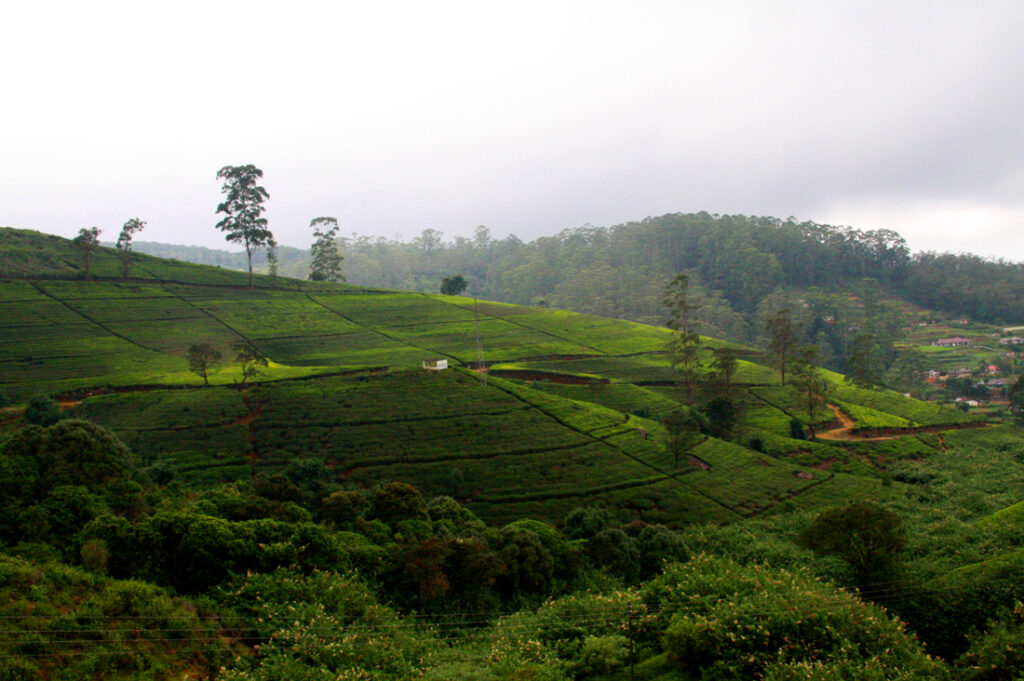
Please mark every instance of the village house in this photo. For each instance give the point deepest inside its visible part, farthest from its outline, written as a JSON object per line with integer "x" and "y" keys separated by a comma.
{"x": 954, "y": 342}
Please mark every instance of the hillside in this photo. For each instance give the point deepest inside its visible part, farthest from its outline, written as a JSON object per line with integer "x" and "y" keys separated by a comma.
{"x": 528, "y": 512}
{"x": 566, "y": 415}
{"x": 840, "y": 283}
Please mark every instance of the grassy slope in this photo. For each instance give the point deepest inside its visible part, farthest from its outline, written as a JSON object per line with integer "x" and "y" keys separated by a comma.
{"x": 509, "y": 448}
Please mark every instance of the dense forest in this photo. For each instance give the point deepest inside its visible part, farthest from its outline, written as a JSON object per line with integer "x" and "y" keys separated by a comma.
{"x": 735, "y": 262}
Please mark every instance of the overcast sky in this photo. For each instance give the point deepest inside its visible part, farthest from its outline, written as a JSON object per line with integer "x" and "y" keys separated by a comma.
{"x": 526, "y": 117}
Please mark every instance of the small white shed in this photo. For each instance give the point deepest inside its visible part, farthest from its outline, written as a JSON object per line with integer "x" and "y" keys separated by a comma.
{"x": 435, "y": 364}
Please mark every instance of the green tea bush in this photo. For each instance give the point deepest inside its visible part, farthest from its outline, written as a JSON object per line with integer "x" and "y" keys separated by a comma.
{"x": 570, "y": 637}
{"x": 998, "y": 653}
{"x": 727, "y": 621}
{"x": 322, "y": 625}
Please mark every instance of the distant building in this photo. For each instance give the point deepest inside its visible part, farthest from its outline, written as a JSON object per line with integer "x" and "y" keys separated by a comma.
{"x": 1012, "y": 340}
{"x": 954, "y": 342}
{"x": 435, "y": 364}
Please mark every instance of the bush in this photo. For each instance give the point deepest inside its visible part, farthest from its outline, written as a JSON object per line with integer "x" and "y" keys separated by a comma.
{"x": 576, "y": 635}
{"x": 42, "y": 410}
{"x": 322, "y": 626}
{"x": 729, "y": 621}
{"x": 616, "y": 552}
{"x": 584, "y": 522}
{"x": 658, "y": 544}
{"x": 342, "y": 508}
{"x": 998, "y": 654}
{"x": 396, "y": 501}
{"x": 797, "y": 431}
{"x": 36, "y": 460}
{"x": 865, "y": 535}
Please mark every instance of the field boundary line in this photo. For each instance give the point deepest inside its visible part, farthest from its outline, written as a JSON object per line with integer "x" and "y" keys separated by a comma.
{"x": 636, "y": 459}
{"x": 209, "y": 314}
{"x": 97, "y": 323}
{"x": 568, "y": 494}
{"x": 602, "y": 353}
{"x": 441, "y": 458}
{"x": 378, "y": 331}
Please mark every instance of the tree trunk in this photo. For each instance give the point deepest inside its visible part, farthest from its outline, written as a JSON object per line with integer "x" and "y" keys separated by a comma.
{"x": 248, "y": 253}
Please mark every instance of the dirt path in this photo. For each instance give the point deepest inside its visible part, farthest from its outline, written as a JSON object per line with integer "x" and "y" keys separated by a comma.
{"x": 846, "y": 431}
{"x": 843, "y": 431}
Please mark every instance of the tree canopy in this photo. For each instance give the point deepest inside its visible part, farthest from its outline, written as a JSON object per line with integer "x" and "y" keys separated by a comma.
{"x": 326, "y": 259}
{"x": 124, "y": 242}
{"x": 86, "y": 242}
{"x": 243, "y": 209}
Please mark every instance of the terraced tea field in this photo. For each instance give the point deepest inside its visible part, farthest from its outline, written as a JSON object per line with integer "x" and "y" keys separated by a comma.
{"x": 569, "y": 415}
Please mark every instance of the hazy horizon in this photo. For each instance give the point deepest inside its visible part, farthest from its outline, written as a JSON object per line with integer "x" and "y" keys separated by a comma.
{"x": 528, "y": 119}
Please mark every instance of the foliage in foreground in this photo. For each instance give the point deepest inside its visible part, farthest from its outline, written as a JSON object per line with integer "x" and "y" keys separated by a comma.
{"x": 64, "y": 624}
{"x": 727, "y": 621}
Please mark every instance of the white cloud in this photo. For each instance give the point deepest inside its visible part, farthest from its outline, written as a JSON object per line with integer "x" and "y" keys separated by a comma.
{"x": 528, "y": 117}
{"x": 989, "y": 230}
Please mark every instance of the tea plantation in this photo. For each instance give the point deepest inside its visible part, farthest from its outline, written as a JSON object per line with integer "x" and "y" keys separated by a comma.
{"x": 313, "y": 503}
{"x": 575, "y": 420}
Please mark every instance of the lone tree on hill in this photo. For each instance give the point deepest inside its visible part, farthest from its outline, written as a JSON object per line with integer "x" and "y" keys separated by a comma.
{"x": 86, "y": 242}
{"x": 782, "y": 340}
{"x": 724, "y": 364}
{"x": 124, "y": 243}
{"x": 683, "y": 428}
{"x": 326, "y": 264}
{"x": 201, "y": 358}
{"x": 250, "y": 359}
{"x": 865, "y": 365}
{"x": 453, "y": 286}
{"x": 807, "y": 379}
{"x": 272, "y": 261}
{"x": 242, "y": 208}
{"x": 684, "y": 347}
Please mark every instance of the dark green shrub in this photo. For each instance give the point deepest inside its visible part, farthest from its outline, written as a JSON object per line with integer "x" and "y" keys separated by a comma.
{"x": 395, "y": 501}
{"x": 998, "y": 653}
{"x": 277, "y": 487}
{"x": 756, "y": 622}
{"x": 311, "y": 475}
{"x": 616, "y": 552}
{"x": 42, "y": 410}
{"x": 343, "y": 508}
{"x": 585, "y": 521}
{"x": 866, "y": 536}
{"x": 721, "y": 415}
{"x": 658, "y": 544}
{"x": 36, "y": 460}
